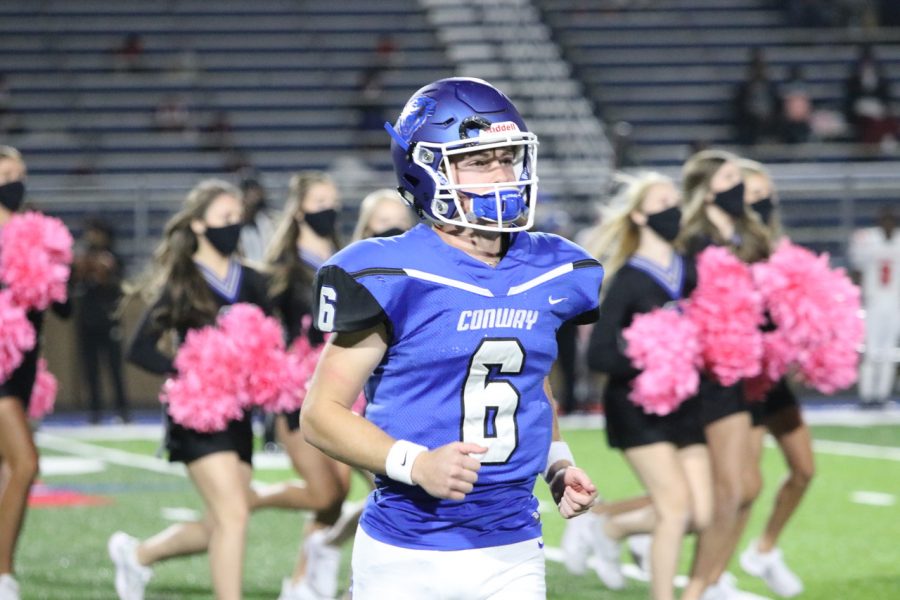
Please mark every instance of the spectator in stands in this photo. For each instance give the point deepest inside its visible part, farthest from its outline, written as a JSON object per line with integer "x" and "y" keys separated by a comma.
{"x": 756, "y": 102}
{"x": 237, "y": 162}
{"x": 129, "y": 55}
{"x": 623, "y": 144}
{"x": 867, "y": 100}
{"x": 875, "y": 254}
{"x": 218, "y": 133}
{"x": 172, "y": 114}
{"x": 371, "y": 103}
{"x": 796, "y": 108}
{"x": 96, "y": 280}
{"x": 259, "y": 221}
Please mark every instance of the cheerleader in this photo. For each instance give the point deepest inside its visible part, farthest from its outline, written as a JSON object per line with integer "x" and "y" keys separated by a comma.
{"x": 780, "y": 414}
{"x": 18, "y": 454}
{"x": 715, "y": 214}
{"x": 195, "y": 275}
{"x": 304, "y": 237}
{"x": 667, "y": 453}
{"x": 383, "y": 213}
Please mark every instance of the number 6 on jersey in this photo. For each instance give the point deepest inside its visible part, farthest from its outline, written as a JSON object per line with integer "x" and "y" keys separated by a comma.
{"x": 326, "y": 309}
{"x": 489, "y": 406}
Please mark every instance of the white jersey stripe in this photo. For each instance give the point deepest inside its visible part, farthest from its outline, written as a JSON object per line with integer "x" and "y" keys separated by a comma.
{"x": 461, "y": 285}
{"x": 524, "y": 287}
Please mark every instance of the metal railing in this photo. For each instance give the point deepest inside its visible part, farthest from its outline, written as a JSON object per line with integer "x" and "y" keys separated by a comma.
{"x": 821, "y": 204}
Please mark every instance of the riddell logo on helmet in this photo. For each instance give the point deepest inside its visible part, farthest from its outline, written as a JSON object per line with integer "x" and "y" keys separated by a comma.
{"x": 502, "y": 127}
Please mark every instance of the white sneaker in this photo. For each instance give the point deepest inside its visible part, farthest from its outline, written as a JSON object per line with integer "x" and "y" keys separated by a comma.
{"x": 298, "y": 591}
{"x": 576, "y": 543}
{"x": 639, "y": 547}
{"x": 9, "y": 587}
{"x": 771, "y": 568}
{"x": 606, "y": 555}
{"x": 131, "y": 576}
{"x": 323, "y": 565}
{"x": 715, "y": 591}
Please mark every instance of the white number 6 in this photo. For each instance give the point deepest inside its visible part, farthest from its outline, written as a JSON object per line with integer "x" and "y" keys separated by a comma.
{"x": 490, "y": 403}
{"x": 327, "y": 298}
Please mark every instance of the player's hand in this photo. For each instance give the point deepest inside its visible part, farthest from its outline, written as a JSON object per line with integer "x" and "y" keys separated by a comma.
{"x": 573, "y": 491}
{"x": 448, "y": 471}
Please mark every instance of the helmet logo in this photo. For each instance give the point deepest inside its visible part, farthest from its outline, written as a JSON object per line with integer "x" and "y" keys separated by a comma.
{"x": 414, "y": 115}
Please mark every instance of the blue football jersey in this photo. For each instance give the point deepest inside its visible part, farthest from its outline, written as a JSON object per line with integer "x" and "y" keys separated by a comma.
{"x": 468, "y": 350}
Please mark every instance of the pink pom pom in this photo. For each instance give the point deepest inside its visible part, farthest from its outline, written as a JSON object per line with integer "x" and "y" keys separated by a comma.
{"x": 206, "y": 394}
{"x": 35, "y": 259}
{"x": 832, "y": 361}
{"x": 304, "y": 359}
{"x": 16, "y": 335}
{"x": 664, "y": 344}
{"x": 265, "y": 369}
{"x": 43, "y": 394}
{"x": 727, "y": 311}
{"x": 778, "y": 354}
{"x": 816, "y": 310}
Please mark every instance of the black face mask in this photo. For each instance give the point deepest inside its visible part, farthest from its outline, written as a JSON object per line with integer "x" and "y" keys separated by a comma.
{"x": 11, "y": 195}
{"x": 322, "y": 222}
{"x": 224, "y": 239}
{"x": 666, "y": 223}
{"x": 764, "y": 208}
{"x": 389, "y": 232}
{"x": 731, "y": 201}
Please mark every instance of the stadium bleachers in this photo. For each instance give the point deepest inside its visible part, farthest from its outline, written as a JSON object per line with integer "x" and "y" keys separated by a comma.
{"x": 286, "y": 74}
{"x": 670, "y": 68}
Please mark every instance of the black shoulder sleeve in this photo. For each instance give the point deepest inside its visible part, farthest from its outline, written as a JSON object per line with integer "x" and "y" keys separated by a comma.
{"x": 690, "y": 276}
{"x": 341, "y": 303}
{"x": 258, "y": 283}
{"x": 586, "y": 317}
{"x": 606, "y": 348}
{"x": 143, "y": 348}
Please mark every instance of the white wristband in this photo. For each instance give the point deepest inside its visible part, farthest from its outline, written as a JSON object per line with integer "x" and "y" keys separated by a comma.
{"x": 400, "y": 459}
{"x": 558, "y": 451}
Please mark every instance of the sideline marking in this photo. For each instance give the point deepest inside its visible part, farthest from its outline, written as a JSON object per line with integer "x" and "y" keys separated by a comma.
{"x": 70, "y": 465}
{"x": 873, "y": 498}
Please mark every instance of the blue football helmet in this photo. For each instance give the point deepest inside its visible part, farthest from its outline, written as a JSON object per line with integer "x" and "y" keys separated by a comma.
{"x": 456, "y": 116}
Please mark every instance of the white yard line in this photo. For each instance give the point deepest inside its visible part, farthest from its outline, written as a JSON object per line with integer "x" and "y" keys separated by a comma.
{"x": 65, "y": 444}
{"x": 845, "y": 414}
{"x": 855, "y": 450}
{"x": 873, "y": 498}
{"x": 123, "y": 458}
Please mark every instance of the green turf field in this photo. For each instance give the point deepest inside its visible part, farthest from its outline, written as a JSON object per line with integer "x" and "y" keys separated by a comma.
{"x": 842, "y": 549}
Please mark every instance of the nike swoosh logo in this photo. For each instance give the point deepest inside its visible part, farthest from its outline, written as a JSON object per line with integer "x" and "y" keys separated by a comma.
{"x": 540, "y": 544}
{"x": 553, "y": 300}
{"x": 405, "y": 454}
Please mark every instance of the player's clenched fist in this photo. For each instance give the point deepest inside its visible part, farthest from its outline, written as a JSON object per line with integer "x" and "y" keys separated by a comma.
{"x": 448, "y": 471}
{"x": 573, "y": 491}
